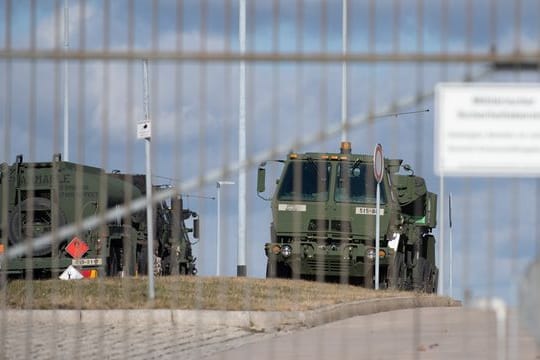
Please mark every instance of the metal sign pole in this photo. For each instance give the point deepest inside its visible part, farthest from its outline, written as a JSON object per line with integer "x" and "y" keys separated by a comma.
{"x": 218, "y": 235}
{"x": 377, "y": 234}
{"x": 378, "y": 167}
{"x": 451, "y": 245}
{"x": 144, "y": 131}
{"x": 441, "y": 237}
{"x": 241, "y": 269}
{"x": 218, "y": 229}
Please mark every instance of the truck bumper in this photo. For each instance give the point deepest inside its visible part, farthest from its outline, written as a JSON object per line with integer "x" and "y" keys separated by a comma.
{"x": 311, "y": 260}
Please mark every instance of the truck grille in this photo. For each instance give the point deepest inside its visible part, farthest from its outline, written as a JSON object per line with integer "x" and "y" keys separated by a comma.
{"x": 318, "y": 225}
{"x": 329, "y": 265}
{"x": 341, "y": 226}
{"x": 325, "y": 225}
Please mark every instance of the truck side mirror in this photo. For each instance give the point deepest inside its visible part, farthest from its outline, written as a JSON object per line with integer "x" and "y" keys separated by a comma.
{"x": 196, "y": 228}
{"x": 408, "y": 168}
{"x": 261, "y": 179}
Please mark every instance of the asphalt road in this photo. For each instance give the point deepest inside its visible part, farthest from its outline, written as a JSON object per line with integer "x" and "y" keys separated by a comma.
{"x": 422, "y": 333}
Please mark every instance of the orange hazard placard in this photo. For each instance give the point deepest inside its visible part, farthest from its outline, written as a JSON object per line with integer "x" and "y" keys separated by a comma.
{"x": 1, "y": 248}
{"x": 76, "y": 248}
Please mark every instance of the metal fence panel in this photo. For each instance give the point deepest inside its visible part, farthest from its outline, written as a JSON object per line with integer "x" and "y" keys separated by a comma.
{"x": 316, "y": 73}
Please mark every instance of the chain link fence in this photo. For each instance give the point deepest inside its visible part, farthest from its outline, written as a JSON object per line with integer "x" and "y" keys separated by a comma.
{"x": 232, "y": 84}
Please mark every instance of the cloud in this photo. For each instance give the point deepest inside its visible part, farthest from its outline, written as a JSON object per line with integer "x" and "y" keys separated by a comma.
{"x": 196, "y": 127}
{"x": 50, "y": 28}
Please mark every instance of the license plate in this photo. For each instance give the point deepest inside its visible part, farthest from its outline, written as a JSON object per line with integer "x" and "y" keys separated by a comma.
{"x": 87, "y": 262}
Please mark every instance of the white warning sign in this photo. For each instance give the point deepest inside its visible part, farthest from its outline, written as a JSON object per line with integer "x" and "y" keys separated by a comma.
{"x": 71, "y": 274}
{"x": 487, "y": 129}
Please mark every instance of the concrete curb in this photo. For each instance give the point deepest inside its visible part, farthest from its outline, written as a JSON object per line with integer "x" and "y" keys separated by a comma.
{"x": 255, "y": 320}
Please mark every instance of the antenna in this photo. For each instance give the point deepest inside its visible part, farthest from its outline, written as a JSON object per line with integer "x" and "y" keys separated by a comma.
{"x": 66, "y": 82}
{"x": 344, "y": 83}
{"x": 400, "y": 113}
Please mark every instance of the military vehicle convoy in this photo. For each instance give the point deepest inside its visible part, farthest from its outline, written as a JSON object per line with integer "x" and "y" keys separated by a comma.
{"x": 40, "y": 197}
{"x": 323, "y": 226}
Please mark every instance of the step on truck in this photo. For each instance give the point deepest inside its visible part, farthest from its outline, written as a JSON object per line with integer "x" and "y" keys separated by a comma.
{"x": 38, "y": 198}
{"x": 323, "y": 221}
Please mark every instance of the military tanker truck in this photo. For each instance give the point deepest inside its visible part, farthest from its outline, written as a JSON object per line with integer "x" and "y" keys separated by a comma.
{"x": 41, "y": 197}
{"x": 323, "y": 227}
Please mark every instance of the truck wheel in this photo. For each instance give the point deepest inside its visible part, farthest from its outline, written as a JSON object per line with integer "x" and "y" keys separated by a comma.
{"x": 113, "y": 261}
{"x": 422, "y": 275}
{"x": 427, "y": 283}
{"x": 431, "y": 274}
{"x": 276, "y": 269}
{"x": 172, "y": 263}
{"x": 128, "y": 257}
{"x": 182, "y": 269}
{"x": 158, "y": 267}
{"x": 433, "y": 280}
{"x": 142, "y": 261}
{"x": 396, "y": 272}
{"x": 271, "y": 269}
{"x": 41, "y": 209}
{"x": 368, "y": 276}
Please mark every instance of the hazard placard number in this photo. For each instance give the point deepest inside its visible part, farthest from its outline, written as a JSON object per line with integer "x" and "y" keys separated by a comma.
{"x": 87, "y": 262}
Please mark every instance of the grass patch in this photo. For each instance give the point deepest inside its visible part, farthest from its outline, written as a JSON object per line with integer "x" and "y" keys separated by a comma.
{"x": 184, "y": 292}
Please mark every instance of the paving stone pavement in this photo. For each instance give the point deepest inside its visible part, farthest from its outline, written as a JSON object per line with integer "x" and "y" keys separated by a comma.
{"x": 166, "y": 334}
{"x": 34, "y": 339}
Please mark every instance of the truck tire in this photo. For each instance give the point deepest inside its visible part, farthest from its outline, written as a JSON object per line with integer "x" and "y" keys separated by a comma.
{"x": 422, "y": 275}
{"x": 368, "y": 276}
{"x": 142, "y": 261}
{"x": 276, "y": 269}
{"x": 113, "y": 261}
{"x": 435, "y": 280}
{"x": 271, "y": 269}
{"x": 396, "y": 272}
{"x": 41, "y": 208}
{"x": 182, "y": 270}
{"x": 128, "y": 257}
{"x": 432, "y": 279}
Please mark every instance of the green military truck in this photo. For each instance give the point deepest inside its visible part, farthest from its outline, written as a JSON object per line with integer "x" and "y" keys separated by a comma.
{"x": 38, "y": 198}
{"x": 324, "y": 215}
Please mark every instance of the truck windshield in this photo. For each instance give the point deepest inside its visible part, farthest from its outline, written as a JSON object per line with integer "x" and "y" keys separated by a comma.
{"x": 356, "y": 184}
{"x": 305, "y": 181}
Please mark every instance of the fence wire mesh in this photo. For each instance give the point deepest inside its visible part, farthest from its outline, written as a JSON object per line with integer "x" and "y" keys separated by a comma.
{"x": 233, "y": 84}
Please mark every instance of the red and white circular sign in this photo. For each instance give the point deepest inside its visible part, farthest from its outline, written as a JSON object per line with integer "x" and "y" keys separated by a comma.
{"x": 378, "y": 163}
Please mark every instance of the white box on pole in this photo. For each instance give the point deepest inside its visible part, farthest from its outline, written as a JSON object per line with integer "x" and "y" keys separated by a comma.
{"x": 144, "y": 130}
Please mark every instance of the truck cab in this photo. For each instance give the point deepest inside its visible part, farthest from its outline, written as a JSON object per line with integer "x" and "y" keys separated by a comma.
{"x": 324, "y": 216}
{"x": 323, "y": 211}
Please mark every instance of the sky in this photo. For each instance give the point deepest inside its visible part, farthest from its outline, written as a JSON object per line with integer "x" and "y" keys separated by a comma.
{"x": 194, "y": 106}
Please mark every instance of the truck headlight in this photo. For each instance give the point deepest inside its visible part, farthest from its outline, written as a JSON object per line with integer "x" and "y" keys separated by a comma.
{"x": 370, "y": 254}
{"x": 286, "y": 251}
